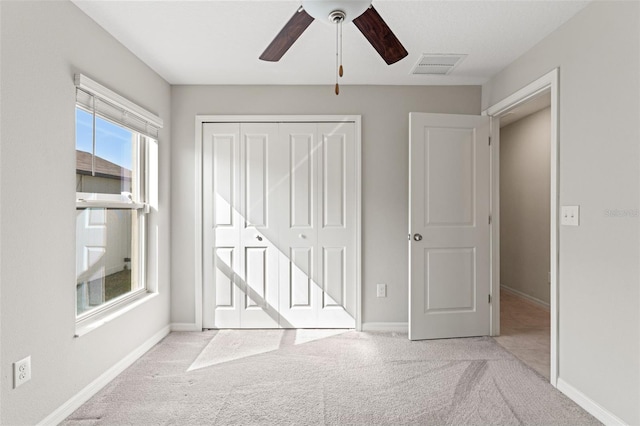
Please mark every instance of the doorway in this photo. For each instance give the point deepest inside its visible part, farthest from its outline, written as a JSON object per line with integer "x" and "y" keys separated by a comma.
{"x": 525, "y": 134}
{"x": 535, "y": 95}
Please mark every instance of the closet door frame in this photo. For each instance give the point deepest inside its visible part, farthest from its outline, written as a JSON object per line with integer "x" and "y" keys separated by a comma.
{"x": 198, "y": 198}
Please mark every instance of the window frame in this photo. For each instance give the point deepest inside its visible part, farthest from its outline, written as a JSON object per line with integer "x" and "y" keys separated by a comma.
{"x": 138, "y": 202}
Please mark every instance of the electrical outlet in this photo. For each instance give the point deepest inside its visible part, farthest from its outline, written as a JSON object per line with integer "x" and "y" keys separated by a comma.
{"x": 21, "y": 371}
{"x": 381, "y": 290}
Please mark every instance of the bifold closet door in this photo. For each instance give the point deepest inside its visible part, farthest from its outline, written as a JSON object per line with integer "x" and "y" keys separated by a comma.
{"x": 279, "y": 225}
{"x": 337, "y": 225}
{"x": 299, "y": 280}
{"x": 318, "y": 227}
{"x": 240, "y": 165}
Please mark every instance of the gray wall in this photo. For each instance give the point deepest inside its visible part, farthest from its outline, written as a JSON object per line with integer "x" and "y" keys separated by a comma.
{"x": 43, "y": 45}
{"x": 598, "y": 53}
{"x": 524, "y": 205}
{"x": 385, "y": 121}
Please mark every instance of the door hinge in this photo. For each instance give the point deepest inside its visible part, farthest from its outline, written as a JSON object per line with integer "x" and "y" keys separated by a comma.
{"x": 489, "y": 298}
{"x": 489, "y": 219}
{"x": 489, "y": 140}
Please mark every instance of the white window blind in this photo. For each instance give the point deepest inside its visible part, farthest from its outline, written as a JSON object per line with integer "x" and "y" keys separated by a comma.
{"x": 107, "y": 104}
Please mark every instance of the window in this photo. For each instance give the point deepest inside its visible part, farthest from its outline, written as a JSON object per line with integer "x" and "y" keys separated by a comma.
{"x": 110, "y": 169}
{"x": 115, "y": 155}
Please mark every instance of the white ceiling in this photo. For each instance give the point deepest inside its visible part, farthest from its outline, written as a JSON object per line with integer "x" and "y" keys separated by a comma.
{"x": 218, "y": 42}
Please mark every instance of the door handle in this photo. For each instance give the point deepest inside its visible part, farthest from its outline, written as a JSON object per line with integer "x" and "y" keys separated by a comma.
{"x": 417, "y": 237}
{"x": 259, "y": 238}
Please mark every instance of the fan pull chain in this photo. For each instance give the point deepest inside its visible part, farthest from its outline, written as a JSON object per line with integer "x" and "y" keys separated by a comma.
{"x": 340, "y": 69}
{"x": 337, "y": 56}
{"x": 337, "y": 17}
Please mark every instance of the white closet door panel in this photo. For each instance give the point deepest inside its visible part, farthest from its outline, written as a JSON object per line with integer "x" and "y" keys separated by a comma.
{"x": 228, "y": 295}
{"x": 224, "y": 287}
{"x": 337, "y": 229}
{"x": 301, "y": 174}
{"x": 221, "y": 225}
{"x": 255, "y": 177}
{"x": 257, "y": 278}
{"x": 334, "y": 178}
{"x": 334, "y": 276}
{"x": 260, "y": 173}
{"x": 299, "y": 287}
{"x": 299, "y": 274}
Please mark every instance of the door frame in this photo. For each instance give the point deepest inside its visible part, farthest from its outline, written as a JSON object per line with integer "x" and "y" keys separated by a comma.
{"x": 548, "y": 83}
{"x": 198, "y": 187}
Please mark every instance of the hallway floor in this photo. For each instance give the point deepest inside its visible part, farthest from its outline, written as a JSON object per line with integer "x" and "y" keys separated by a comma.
{"x": 525, "y": 331}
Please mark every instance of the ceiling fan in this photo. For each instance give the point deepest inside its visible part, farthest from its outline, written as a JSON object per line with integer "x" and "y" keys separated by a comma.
{"x": 364, "y": 16}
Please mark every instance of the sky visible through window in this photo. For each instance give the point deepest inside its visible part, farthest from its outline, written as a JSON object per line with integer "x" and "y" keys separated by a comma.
{"x": 113, "y": 143}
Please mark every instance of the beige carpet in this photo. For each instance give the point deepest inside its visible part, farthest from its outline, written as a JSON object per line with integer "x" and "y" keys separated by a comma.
{"x": 337, "y": 378}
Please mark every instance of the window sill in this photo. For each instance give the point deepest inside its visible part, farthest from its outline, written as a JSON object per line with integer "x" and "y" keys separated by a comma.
{"x": 94, "y": 322}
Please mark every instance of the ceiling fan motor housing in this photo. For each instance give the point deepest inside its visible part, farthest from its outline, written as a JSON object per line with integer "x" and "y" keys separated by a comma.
{"x": 333, "y": 11}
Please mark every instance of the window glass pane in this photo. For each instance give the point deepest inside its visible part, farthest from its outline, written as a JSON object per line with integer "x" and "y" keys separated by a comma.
{"x": 112, "y": 169}
{"x": 106, "y": 255}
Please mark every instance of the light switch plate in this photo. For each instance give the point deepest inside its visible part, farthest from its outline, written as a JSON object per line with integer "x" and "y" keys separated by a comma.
{"x": 570, "y": 215}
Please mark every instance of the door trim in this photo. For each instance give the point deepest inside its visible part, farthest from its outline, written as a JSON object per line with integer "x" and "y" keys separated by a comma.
{"x": 546, "y": 83}
{"x": 198, "y": 204}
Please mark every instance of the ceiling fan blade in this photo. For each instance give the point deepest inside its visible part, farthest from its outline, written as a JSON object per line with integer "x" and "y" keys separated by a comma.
{"x": 374, "y": 29}
{"x": 287, "y": 36}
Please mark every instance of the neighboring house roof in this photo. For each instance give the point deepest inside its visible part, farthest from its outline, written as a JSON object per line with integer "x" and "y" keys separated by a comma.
{"x": 103, "y": 168}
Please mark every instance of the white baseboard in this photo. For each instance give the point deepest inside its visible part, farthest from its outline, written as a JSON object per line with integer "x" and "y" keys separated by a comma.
{"x": 589, "y": 405}
{"x": 184, "y": 326}
{"x": 92, "y": 388}
{"x": 400, "y": 327}
{"x": 531, "y": 299}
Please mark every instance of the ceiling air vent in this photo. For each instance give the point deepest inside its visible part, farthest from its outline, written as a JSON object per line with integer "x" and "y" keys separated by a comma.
{"x": 439, "y": 64}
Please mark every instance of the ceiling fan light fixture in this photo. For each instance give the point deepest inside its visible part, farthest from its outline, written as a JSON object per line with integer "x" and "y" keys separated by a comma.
{"x": 323, "y": 9}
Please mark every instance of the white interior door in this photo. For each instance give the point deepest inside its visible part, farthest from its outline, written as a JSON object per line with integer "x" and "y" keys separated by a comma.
{"x": 449, "y": 226}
